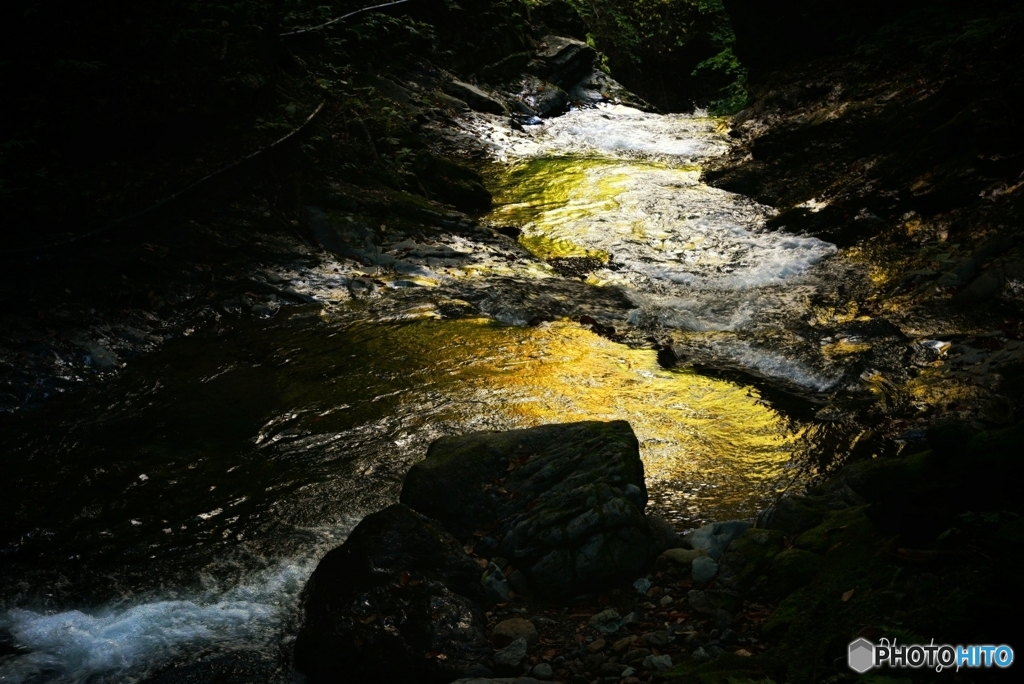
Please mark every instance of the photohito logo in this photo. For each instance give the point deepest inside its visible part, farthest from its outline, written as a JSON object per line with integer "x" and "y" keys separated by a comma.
{"x": 863, "y": 655}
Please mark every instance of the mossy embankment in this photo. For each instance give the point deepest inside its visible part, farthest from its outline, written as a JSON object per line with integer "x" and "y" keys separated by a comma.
{"x": 919, "y": 549}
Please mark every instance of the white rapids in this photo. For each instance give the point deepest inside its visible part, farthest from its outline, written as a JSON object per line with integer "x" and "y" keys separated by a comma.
{"x": 625, "y": 184}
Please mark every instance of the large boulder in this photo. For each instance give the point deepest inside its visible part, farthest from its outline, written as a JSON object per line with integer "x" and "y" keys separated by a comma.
{"x": 563, "y": 61}
{"x": 395, "y": 602}
{"x": 565, "y": 503}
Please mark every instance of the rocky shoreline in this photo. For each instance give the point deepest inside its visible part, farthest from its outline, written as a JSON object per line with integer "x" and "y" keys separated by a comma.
{"x": 540, "y": 563}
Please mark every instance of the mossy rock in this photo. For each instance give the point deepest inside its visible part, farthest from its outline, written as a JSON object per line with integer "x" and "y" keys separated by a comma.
{"x": 750, "y": 554}
{"x": 451, "y": 182}
{"x": 820, "y": 538}
{"x": 792, "y": 569}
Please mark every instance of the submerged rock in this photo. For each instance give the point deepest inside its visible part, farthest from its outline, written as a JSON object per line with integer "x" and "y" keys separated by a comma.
{"x": 395, "y": 602}
{"x": 564, "y": 501}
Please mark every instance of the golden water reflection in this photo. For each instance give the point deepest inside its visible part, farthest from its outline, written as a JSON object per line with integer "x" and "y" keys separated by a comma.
{"x": 711, "y": 448}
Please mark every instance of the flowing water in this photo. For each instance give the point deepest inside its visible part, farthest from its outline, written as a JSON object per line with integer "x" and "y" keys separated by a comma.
{"x": 162, "y": 526}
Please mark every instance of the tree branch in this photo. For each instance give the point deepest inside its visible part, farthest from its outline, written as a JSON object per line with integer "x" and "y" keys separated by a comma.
{"x": 332, "y": 22}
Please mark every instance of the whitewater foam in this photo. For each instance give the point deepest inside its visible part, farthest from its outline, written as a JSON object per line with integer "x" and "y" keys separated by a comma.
{"x": 125, "y": 644}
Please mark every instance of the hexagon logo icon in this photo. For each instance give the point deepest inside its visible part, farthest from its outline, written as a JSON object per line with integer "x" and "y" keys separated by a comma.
{"x": 861, "y": 656}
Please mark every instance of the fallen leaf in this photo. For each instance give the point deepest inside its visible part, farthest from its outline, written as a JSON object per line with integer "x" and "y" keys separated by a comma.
{"x": 848, "y": 595}
{"x": 744, "y": 652}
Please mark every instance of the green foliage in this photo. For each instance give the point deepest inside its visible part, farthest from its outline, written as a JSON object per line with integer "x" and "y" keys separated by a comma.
{"x": 643, "y": 38}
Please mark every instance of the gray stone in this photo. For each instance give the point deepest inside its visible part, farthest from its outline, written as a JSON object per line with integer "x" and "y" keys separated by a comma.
{"x": 607, "y": 621}
{"x": 658, "y": 663}
{"x": 703, "y": 569}
{"x": 476, "y": 98}
{"x": 507, "y": 631}
{"x": 666, "y": 601}
{"x": 699, "y": 655}
{"x": 716, "y": 537}
{"x": 511, "y": 655}
{"x": 543, "y": 671}
{"x": 642, "y": 585}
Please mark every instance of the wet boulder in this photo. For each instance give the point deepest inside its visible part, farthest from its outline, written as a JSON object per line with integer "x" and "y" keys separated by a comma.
{"x": 395, "y": 602}
{"x": 565, "y": 502}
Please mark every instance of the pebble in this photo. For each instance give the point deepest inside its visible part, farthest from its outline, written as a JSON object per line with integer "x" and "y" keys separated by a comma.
{"x": 658, "y": 639}
{"x": 508, "y": 631}
{"x": 625, "y": 644}
{"x": 596, "y": 645}
{"x": 700, "y": 655}
{"x": 642, "y": 585}
{"x": 659, "y": 663}
{"x": 607, "y": 621}
{"x": 666, "y": 601}
{"x": 542, "y": 671}
{"x": 511, "y": 655}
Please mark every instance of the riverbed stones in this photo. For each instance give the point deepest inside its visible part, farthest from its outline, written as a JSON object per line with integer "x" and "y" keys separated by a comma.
{"x": 716, "y": 537}
{"x": 565, "y": 502}
{"x": 507, "y": 631}
{"x": 607, "y": 621}
{"x": 389, "y": 602}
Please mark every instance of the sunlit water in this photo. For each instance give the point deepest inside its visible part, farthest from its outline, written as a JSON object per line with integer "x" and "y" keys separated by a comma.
{"x": 171, "y": 518}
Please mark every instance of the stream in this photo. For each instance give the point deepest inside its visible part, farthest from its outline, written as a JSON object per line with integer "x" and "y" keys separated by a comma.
{"x": 164, "y": 523}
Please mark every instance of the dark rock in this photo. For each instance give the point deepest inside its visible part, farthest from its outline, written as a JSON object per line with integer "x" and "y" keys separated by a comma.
{"x": 984, "y": 288}
{"x": 664, "y": 535}
{"x": 507, "y": 631}
{"x": 513, "y": 654}
{"x": 564, "y": 61}
{"x": 398, "y": 589}
{"x": 451, "y": 182}
{"x": 554, "y": 497}
{"x": 476, "y": 98}
{"x": 541, "y": 97}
